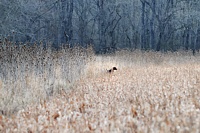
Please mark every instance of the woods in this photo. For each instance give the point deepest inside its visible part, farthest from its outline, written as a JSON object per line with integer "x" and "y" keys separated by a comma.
{"x": 159, "y": 25}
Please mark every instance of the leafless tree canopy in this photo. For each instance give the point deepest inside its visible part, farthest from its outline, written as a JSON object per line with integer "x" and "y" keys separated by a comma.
{"x": 107, "y": 24}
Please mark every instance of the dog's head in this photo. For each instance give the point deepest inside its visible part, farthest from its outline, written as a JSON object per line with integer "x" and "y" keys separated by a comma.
{"x": 114, "y": 68}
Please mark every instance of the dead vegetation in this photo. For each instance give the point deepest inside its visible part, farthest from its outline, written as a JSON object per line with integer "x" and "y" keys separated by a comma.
{"x": 150, "y": 92}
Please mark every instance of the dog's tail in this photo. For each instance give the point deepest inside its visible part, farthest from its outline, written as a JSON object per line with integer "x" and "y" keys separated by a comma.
{"x": 107, "y": 70}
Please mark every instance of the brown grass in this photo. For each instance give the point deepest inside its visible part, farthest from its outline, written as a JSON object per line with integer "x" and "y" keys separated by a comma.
{"x": 150, "y": 92}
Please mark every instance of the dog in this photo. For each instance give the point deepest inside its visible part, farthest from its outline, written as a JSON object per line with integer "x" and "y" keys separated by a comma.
{"x": 112, "y": 70}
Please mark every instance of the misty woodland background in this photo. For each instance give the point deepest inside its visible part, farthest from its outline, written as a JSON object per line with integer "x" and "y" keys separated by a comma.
{"x": 107, "y": 24}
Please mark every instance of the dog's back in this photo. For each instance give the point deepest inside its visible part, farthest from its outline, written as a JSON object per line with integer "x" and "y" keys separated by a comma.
{"x": 112, "y": 70}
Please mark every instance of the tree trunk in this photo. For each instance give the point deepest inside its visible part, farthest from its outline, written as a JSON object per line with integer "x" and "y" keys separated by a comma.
{"x": 101, "y": 24}
{"x": 197, "y": 47}
{"x": 158, "y": 47}
{"x": 65, "y": 31}
{"x": 143, "y": 38}
{"x": 69, "y": 26}
{"x": 152, "y": 21}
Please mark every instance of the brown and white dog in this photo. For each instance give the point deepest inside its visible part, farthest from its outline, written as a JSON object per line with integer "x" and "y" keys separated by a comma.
{"x": 112, "y": 70}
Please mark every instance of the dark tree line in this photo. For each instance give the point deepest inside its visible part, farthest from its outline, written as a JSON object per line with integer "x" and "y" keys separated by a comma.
{"x": 107, "y": 24}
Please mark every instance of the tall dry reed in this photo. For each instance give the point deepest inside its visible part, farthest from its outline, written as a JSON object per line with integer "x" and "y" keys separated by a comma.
{"x": 150, "y": 92}
{"x": 30, "y": 73}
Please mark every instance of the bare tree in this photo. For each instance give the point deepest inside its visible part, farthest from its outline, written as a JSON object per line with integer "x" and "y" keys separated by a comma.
{"x": 142, "y": 24}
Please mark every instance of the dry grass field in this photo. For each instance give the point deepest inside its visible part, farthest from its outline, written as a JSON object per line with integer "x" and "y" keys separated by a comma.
{"x": 150, "y": 92}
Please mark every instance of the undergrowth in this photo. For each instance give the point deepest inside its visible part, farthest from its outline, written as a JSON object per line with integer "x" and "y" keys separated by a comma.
{"x": 30, "y": 73}
{"x": 69, "y": 90}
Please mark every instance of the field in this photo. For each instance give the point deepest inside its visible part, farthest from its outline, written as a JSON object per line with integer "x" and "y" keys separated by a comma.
{"x": 70, "y": 91}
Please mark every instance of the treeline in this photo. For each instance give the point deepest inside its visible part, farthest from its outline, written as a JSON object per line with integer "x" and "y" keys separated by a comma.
{"x": 159, "y": 25}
